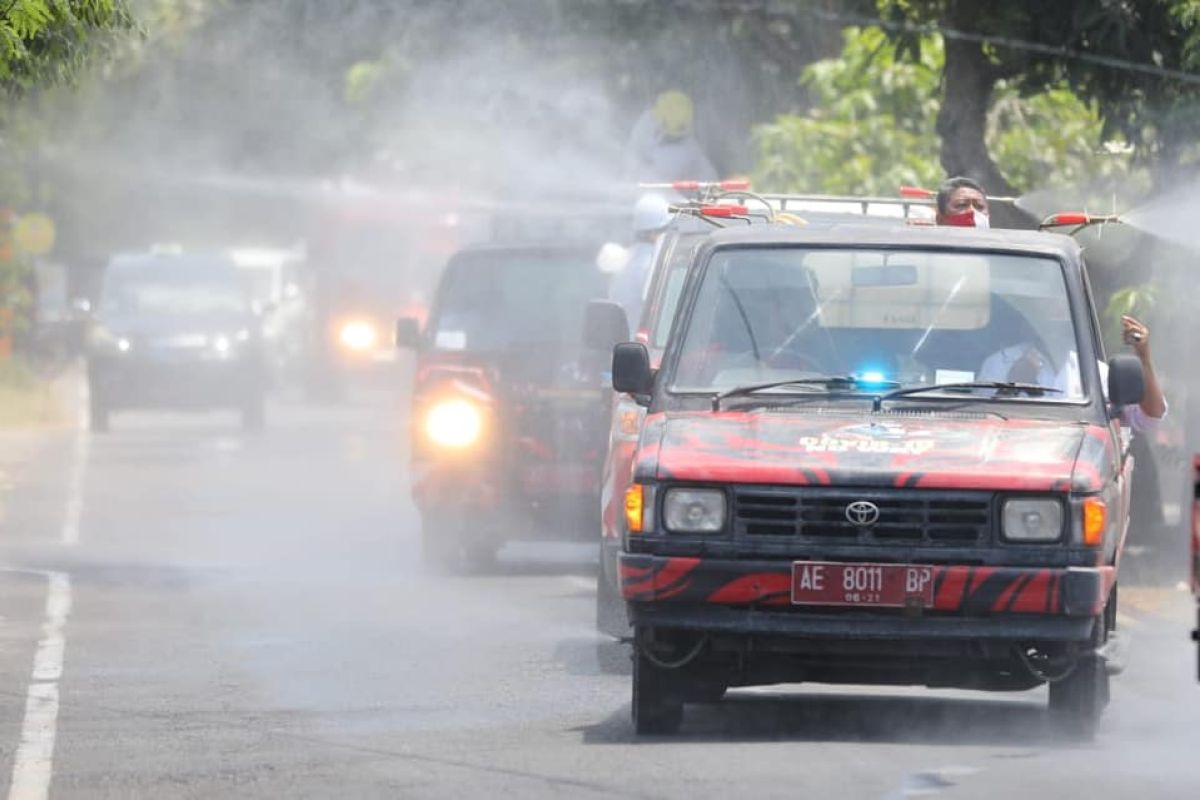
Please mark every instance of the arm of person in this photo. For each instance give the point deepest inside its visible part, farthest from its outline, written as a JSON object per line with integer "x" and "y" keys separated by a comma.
{"x": 1137, "y": 335}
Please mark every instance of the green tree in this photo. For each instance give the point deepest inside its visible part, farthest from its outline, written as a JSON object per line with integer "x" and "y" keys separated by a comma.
{"x": 1131, "y": 60}
{"x": 873, "y": 128}
{"x": 42, "y": 43}
{"x": 48, "y": 41}
{"x": 870, "y": 129}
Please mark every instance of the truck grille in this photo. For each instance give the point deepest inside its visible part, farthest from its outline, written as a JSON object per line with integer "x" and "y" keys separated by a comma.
{"x": 905, "y": 516}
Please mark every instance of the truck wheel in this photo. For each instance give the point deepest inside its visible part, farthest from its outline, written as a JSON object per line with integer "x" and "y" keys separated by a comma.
{"x": 657, "y": 707}
{"x": 481, "y": 555}
{"x": 1077, "y": 701}
{"x": 611, "y": 616}
{"x": 441, "y": 545}
{"x": 707, "y": 692}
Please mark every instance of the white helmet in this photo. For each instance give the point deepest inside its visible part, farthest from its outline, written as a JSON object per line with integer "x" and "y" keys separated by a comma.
{"x": 651, "y": 213}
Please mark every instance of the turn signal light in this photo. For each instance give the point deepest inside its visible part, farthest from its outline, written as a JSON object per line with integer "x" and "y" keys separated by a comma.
{"x": 630, "y": 422}
{"x": 1095, "y": 519}
{"x": 634, "y": 505}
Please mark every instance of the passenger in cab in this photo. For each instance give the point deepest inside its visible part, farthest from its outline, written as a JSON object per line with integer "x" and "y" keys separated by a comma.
{"x": 962, "y": 202}
{"x": 1028, "y": 362}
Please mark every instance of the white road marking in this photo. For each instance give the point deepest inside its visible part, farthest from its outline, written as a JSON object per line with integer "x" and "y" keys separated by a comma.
{"x": 74, "y": 510}
{"x": 33, "y": 764}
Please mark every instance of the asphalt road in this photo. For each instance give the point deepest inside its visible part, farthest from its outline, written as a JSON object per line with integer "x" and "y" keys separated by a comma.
{"x": 188, "y": 611}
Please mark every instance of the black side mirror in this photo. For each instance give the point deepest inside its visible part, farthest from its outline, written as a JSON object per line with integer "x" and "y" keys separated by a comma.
{"x": 408, "y": 332}
{"x": 631, "y": 369}
{"x": 1126, "y": 381}
{"x": 604, "y": 325}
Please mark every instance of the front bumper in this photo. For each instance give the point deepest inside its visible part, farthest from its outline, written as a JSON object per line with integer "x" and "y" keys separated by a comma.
{"x": 144, "y": 383}
{"x": 970, "y": 603}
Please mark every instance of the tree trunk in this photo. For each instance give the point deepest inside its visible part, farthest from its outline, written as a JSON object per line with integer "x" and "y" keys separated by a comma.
{"x": 968, "y": 80}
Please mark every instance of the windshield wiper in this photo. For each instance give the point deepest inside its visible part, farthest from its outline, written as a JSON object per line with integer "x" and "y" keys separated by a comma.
{"x": 1002, "y": 388}
{"x": 829, "y": 382}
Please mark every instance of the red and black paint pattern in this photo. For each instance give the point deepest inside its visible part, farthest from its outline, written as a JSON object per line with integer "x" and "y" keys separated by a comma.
{"x": 967, "y": 590}
{"x": 798, "y": 449}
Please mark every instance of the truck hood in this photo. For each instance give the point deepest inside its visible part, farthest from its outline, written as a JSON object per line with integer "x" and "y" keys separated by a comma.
{"x": 926, "y": 450}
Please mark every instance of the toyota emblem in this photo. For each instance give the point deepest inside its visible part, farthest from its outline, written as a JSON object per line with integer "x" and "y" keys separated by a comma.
{"x": 862, "y": 513}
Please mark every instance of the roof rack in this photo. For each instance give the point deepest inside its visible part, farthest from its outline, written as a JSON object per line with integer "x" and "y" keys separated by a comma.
{"x": 853, "y": 204}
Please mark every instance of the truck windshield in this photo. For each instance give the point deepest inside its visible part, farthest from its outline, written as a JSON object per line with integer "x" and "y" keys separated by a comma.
{"x": 494, "y": 301}
{"x": 908, "y": 318}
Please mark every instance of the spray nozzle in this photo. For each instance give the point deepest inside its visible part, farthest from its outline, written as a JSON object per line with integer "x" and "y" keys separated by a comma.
{"x": 1076, "y": 219}
{"x": 703, "y": 187}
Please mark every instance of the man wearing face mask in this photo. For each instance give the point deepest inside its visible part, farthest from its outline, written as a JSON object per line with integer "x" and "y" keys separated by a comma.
{"x": 962, "y": 202}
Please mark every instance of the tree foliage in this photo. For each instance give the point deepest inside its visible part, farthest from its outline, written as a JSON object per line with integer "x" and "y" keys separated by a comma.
{"x": 1135, "y": 63}
{"x": 870, "y": 129}
{"x": 873, "y": 127}
{"x": 48, "y": 41}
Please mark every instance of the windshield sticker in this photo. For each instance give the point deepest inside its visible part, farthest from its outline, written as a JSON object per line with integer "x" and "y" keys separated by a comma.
{"x": 953, "y": 376}
{"x": 451, "y": 340}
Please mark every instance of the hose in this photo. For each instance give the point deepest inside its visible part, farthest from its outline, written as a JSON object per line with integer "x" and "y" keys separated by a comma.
{"x": 678, "y": 663}
{"x": 1044, "y": 676}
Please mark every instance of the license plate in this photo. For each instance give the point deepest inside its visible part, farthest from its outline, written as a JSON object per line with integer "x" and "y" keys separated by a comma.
{"x": 820, "y": 583}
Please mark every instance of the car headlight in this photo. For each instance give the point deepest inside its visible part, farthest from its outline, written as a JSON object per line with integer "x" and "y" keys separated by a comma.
{"x": 694, "y": 510}
{"x": 455, "y": 423}
{"x": 1032, "y": 519}
{"x": 104, "y": 339}
{"x": 358, "y": 335}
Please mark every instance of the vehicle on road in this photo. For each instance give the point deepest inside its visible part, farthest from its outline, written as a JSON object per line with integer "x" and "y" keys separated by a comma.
{"x": 676, "y": 255}
{"x": 174, "y": 331}
{"x": 508, "y": 418}
{"x": 834, "y": 484}
{"x": 274, "y": 277}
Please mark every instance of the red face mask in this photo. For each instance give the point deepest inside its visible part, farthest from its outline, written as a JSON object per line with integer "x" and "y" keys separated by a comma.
{"x": 971, "y": 218}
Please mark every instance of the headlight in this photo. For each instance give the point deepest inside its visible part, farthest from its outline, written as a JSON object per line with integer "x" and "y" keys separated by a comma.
{"x": 694, "y": 510}
{"x": 454, "y": 423}
{"x": 1032, "y": 520}
{"x": 104, "y": 339}
{"x": 358, "y": 335}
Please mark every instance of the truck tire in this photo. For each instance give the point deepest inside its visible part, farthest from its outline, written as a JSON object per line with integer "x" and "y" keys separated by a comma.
{"x": 657, "y": 707}
{"x": 441, "y": 541}
{"x": 1077, "y": 701}
{"x": 611, "y": 616}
